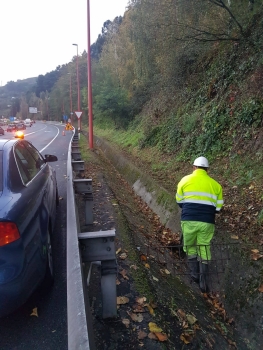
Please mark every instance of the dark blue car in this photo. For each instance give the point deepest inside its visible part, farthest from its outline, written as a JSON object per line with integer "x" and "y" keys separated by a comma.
{"x": 28, "y": 200}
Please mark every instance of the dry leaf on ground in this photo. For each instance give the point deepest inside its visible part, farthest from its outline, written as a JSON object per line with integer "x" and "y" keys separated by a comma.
{"x": 122, "y": 300}
{"x": 151, "y": 310}
{"x": 135, "y": 317}
{"x": 191, "y": 319}
{"x": 123, "y": 256}
{"x": 118, "y": 251}
{"x": 123, "y": 273}
{"x": 186, "y": 338}
{"x": 142, "y": 334}
{"x": 181, "y": 314}
{"x": 138, "y": 308}
{"x": 34, "y": 312}
{"x": 161, "y": 336}
{"x": 154, "y": 328}
{"x": 126, "y": 321}
{"x": 152, "y": 336}
{"x": 140, "y": 300}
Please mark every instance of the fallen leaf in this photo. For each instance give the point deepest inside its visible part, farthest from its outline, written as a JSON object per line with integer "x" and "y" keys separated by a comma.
{"x": 143, "y": 257}
{"x": 122, "y": 300}
{"x": 123, "y": 273}
{"x": 138, "y": 308}
{"x": 118, "y": 282}
{"x": 147, "y": 266}
{"x": 142, "y": 334}
{"x": 181, "y": 313}
{"x": 134, "y": 267}
{"x": 234, "y": 237}
{"x": 186, "y": 338}
{"x": 154, "y": 328}
{"x": 255, "y": 251}
{"x": 126, "y": 321}
{"x": 152, "y": 336}
{"x": 155, "y": 279}
{"x": 256, "y": 256}
{"x": 261, "y": 288}
{"x": 167, "y": 272}
{"x": 123, "y": 256}
{"x": 140, "y": 300}
{"x": 161, "y": 336}
{"x": 34, "y": 312}
{"x": 135, "y": 317}
{"x": 191, "y": 319}
{"x": 118, "y": 251}
{"x": 150, "y": 309}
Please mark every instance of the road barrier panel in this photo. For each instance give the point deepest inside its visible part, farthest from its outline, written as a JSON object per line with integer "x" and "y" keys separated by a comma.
{"x": 75, "y": 148}
{"x": 78, "y": 166}
{"x": 84, "y": 187}
{"x": 76, "y": 155}
{"x": 99, "y": 248}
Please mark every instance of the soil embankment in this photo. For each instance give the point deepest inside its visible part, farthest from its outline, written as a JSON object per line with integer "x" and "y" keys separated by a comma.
{"x": 185, "y": 316}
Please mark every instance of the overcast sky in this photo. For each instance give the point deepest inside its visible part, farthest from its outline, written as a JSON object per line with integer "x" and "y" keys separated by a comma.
{"x": 37, "y": 36}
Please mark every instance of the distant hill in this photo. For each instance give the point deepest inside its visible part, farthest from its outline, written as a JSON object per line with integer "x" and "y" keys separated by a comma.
{"x": 15, "y": 89}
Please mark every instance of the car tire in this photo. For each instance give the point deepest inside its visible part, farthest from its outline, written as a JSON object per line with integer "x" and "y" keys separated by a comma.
{"x": 49, "y": 275}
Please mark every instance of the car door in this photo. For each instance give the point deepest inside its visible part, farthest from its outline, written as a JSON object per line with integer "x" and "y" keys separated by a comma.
{"x": 33, "y": 222}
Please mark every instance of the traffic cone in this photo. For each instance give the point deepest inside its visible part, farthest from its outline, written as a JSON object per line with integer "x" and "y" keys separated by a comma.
{"x": 63, "y": 133}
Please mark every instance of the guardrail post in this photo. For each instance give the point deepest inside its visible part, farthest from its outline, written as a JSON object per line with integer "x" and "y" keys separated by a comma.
{"x": 100, "y": 246}
{"x": 84, "y": 187}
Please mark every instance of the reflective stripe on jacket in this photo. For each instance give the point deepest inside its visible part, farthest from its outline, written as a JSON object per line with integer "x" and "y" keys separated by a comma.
{"x": 199, "y": 196}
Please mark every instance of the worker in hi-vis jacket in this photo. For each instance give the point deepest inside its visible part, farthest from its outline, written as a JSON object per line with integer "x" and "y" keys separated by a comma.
{"x": 200, "y": 198}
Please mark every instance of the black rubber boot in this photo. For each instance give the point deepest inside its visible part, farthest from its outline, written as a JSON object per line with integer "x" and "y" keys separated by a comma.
{"x": 194, "y": 269}
{"x": 203, "y": 278}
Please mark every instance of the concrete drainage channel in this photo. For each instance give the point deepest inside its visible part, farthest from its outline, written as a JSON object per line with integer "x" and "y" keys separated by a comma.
{"x": 85, "y": 247}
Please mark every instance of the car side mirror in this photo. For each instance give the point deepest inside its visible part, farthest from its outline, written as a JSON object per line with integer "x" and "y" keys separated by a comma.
{"x": 50, "y": 158}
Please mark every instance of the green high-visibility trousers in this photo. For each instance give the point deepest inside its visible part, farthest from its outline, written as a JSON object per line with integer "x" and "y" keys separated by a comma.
{"x": 197, "y": 236}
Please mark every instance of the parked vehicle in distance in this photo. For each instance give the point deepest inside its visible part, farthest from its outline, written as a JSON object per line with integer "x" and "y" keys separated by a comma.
{"x": 28, "y": 122}
{"x": 2, "y": 131}
{"x": 20, "y": 126}
{"x": 11, "y": 127}
{"x": 28, "y": 200}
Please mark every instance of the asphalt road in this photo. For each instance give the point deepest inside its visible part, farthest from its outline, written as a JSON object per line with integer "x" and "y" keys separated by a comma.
{"x": 48, "y": 331}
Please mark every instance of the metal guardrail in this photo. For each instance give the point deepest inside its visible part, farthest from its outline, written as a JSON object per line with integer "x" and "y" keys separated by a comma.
{"x": 80, "y": 332}
{"x": 86, "y": 247}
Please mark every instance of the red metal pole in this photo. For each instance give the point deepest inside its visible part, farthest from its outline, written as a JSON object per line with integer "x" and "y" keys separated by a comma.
{"x": 79, "y": 125}
{"x": 70, "y": 95}
{"x": 77, "y": 61}
{"x": 89, "y": 83}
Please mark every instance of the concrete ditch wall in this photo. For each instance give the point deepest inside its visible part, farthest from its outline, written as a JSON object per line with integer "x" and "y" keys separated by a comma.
{"x": 157, "y": 198}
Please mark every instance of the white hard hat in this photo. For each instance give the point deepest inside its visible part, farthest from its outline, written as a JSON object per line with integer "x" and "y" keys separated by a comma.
{"x": 201, "y": 161}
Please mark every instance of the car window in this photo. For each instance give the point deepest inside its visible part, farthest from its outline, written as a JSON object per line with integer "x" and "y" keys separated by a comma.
{"x": 27, "y": 165}
{"x": 40, "y": 161}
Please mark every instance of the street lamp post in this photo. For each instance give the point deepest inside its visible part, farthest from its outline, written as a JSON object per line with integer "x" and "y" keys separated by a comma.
{"x": 70, "y": 95}
{"x": 79, "y": 124}
{"x": 89, "y": 82}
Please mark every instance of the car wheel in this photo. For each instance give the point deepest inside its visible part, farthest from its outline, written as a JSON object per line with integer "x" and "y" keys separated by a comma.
{"x": 49, "y": 275}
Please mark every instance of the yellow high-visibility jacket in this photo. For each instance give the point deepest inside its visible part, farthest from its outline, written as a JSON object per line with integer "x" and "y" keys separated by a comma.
{"x": 199, "y": 196}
